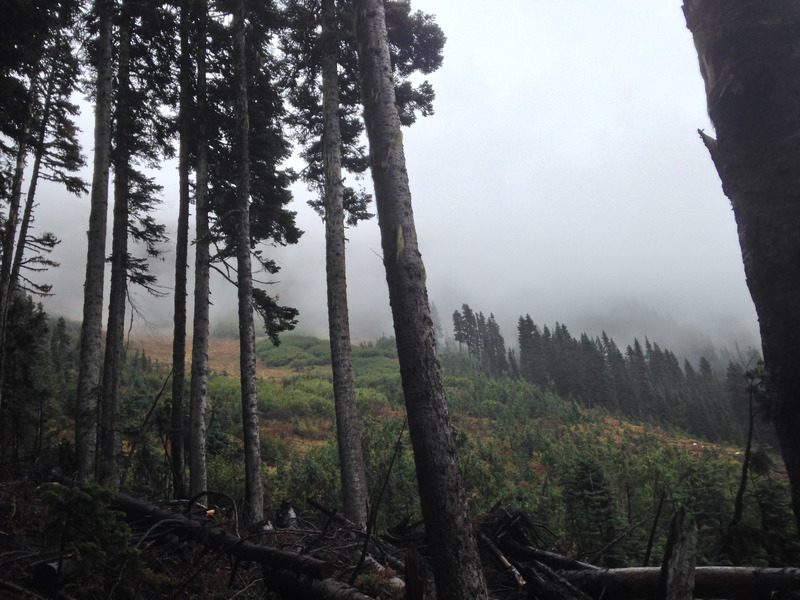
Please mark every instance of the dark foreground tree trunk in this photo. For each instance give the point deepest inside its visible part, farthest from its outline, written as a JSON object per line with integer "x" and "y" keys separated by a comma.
{"x": 456, "y": 564}
{"x": 91, "y": 327}
{"x": 181, "y": 262}
{"x": 354, "y": 478}
{"x": 749, "y": 55}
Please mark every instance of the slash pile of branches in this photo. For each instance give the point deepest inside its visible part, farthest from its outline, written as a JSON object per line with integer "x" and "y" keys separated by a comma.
{"x": 315, "y": 553}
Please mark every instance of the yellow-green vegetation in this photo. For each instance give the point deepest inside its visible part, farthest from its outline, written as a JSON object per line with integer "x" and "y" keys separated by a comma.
{"x": 598, "y": 487}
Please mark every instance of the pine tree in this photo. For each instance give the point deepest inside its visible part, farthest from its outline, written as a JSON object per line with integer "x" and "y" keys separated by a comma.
{"x": 456, "y": 563}
{"x": 91, "y": 327}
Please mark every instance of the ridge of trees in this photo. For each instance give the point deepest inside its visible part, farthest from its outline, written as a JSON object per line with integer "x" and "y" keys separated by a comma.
{"x": 644, "y": 383}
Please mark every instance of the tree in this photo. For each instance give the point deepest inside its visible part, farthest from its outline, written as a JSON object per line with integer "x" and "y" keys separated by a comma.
{"x": 39, "y": 71}
{"x": 750, "y": 63}
{"x": 91, "y": 327}
{"x": 199, "y": 384}
{"x": 254, "y": 498}
{"x": 181, "y": 254}
{"x": 140, "y": 135}
{"x": 456, "y": 563}
{"x": 354, "y": 477}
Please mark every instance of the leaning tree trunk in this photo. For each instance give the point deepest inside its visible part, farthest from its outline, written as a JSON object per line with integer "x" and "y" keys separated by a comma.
{"x": 254, "y": 501}
{"x": 91, "y": 327}
{"x": 354, "y": 478}
{"x": 202, "y": 293}
{"x": 456, "y": 564}
{"x": 750, "y": 61}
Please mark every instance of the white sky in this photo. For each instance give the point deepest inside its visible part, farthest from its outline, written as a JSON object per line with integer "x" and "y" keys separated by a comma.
{"x": 562, "y": 176}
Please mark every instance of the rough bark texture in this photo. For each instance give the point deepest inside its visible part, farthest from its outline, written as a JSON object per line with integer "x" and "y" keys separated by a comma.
{"x": 354, "y": 478}
{"x": 680, "y": 558}
{"x": 254, "y": 501}
{"x": 181, "y": 267}
{"x": 749, "y": 55}
{"x": 456, "y": 563}
{"x": 110, "y": 461}
{"x": 91, "y": 327}
{"x": 199, "y": 384}
{"x": 710, "y": 582}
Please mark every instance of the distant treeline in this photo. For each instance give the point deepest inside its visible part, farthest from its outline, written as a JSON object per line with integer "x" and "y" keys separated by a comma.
{"x": 643, "y": 383}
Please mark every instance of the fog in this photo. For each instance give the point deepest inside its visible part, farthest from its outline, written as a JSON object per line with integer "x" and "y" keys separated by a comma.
{"x": 562, "y": 176}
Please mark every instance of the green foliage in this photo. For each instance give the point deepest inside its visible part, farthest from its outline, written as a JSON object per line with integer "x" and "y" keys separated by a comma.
{"x": 295, "y": 351}
{"x": 84, "y": 522}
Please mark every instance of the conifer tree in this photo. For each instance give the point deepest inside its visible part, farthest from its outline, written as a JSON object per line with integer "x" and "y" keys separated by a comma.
{"x": 456, "y": 563}
{"x": 91, "y": 326}
{"x": 140, "y": 136}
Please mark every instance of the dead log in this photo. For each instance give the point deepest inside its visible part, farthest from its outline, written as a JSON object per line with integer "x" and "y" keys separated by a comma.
{"x": 291, "y": 586}
{"x": 551, "y": 559}
{"x": 677, "y": 568}
{"x": 218, "y": 540}
{"x": 709, "y": 582}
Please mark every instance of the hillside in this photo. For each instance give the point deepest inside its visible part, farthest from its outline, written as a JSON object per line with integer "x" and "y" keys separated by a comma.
{"x": 597, "y": 487}
{"x": 520, "y": 445}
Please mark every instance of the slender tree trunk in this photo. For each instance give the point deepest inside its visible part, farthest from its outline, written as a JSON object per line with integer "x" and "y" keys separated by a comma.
{"x": 181, "y": 260}
{"x": 27, "y": 213}
{"x": 354, "y": 478}
{"x": 199, "y": 384}
{"x": 91, "y": 327}
{"x": 750, "y": 61}
{"x": 254, "y": 501}
{"x": 111, "y": 459}
{"x": 9, "y": 233}
{"x": 456, "y": 563}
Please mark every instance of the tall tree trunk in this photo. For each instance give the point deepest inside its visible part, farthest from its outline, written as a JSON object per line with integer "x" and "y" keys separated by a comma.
{"x": 354, "y": 478}
{"x": 9, "y": 234}
{"x": 91, "y": 327}
{"x": 254, "y": 501}
{"x": 27, "y": 213}
{"x": 456, "y": 563}
{"x": 199, "y": 383}
{"x": 111, "y": 460}
{"x": 181, "y": 260}
{"x": 750, "y": 61}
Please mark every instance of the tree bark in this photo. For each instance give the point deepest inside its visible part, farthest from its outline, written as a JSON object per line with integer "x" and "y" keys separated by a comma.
{"x": 456, "y": 564}
{"x": 678, "y": 567}
{"x": 749, "y": 55}
{"x": 254, "y": 501}
{"x": 199, "y": 383}
{"x": 181, "y": 262}
{"x": 91, "y": 327}
{"x": 354, "y": 478}
{"x": 710, "y": 582}
{"x": 110, "y": 462}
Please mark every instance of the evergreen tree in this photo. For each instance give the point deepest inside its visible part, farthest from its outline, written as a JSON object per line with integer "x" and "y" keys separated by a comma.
{"x": 91, "y": 328}
{"x": 456, "y": 563}
{"x": 202, "y": 299}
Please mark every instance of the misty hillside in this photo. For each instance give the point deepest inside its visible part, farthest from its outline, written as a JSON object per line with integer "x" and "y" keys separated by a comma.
{"x": 521, "y": 444}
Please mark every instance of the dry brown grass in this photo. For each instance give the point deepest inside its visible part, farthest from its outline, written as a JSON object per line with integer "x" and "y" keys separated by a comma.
{"x": 223, "y": 355}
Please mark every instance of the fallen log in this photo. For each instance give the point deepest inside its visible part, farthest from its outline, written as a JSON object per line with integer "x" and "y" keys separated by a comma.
{"x": 219, "y": 540}
{"x": 709, "y": 582}
{"x": 290, "y": 586}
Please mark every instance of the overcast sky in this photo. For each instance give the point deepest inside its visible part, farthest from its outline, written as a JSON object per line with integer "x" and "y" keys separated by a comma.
{"x": 561, "y": 176}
